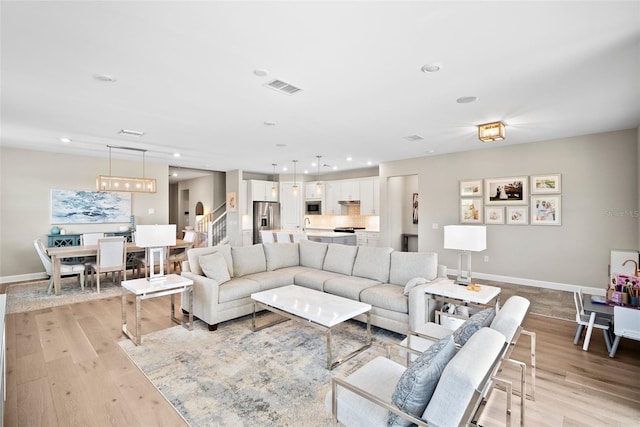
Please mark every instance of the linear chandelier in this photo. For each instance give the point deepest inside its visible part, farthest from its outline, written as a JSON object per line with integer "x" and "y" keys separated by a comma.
{"x": 126, "y": 184}
{"x": 489, "y": 132}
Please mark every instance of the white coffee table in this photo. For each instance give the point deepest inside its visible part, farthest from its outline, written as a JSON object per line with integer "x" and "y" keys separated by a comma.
{"x": 452, "y": 291}
{"x": 171, "y": 284}
{"x": 318, "y": 309}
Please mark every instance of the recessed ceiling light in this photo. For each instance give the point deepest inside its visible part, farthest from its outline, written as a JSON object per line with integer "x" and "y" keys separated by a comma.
{"x": 369, "y": 163}
{"x": 430, "y": 152}
{"x": 65, "y": 140}
{"x": 281, "y": 145}
{"x": 349, "y": 159}
{"x": 176, "y": 154}
{"x": 269, "y": 123}
{"x": 284, "y": 168}
{"x": 104, "y": 78}
{"x": 306, "y": 171}
{"x": 260, "y": 72}
{"x": 335, "y": 168}
{"x": 430, "y": 68}
{"x": 414, "y": 137}
{"x": 174, "y": 174}
{"x": 466, "y": 99}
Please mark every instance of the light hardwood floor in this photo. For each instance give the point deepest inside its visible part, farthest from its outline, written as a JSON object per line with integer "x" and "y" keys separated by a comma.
{"x": 64, "y": 367}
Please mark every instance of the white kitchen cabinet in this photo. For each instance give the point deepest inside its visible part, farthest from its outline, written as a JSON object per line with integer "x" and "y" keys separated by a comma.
{"x": 262, "y": 190}
{"x": 349, "y": 190}
{"x": 367, "y": 238}
{"x": 311, "y": 191}
{"x": 290, "y": 207}
{"x": 331, "y": 197}
{"x": 370, "y": 196}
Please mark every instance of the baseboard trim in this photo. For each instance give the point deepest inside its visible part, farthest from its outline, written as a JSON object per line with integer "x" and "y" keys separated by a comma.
{"x": 23, "y": 277}
{"x": 537, "y": 283}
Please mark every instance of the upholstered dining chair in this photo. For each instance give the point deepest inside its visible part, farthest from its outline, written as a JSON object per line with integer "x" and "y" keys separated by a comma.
{"x": 590, "y": 321}
{"x": 283, "y": 237}
{"x": 66, "y": 269}
{"x": 111, "y": 258}
{"x": 267, "y": 236}
{"x": 626, "y": 324}
{"x": 90, "y": 239}
{"x": 176, "y": 257}
{"x": 299, "y": 236}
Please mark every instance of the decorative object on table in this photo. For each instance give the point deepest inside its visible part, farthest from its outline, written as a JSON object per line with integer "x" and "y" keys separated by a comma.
{"x": 466, "y": 239}
{"x": 517, "y": 215}
{"x": 546, "y": 210}
{"x": 494, "y": 215}
{"x": 471, "y": 188}
{"x": 89, "y": 207}
{"x": 546, "y": 184}
{"x": 155, "y": 239}
{"x": 506, "y": 191}
{"x": 471, "y": 211}
{"x": 55, "y": 230}
{"x": 415, "y": 208}
{"x": 119, "y": 183}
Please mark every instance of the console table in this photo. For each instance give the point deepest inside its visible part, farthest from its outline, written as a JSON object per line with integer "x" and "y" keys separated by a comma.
{"x": 447, "y": 289}
{"x": 405, "y": 241}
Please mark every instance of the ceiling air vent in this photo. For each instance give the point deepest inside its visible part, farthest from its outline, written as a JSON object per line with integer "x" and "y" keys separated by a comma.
{"x": 414, "y": 138}
{"x": 131, "y": 132}
{"x": 283, "y": 87}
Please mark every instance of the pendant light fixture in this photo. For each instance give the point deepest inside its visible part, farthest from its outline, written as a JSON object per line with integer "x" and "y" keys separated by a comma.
{"x": 318, "y": 184}
{"x": 126, "y": 184}
{"x": 274, "y": 190}
{"x": 294, "y": 188}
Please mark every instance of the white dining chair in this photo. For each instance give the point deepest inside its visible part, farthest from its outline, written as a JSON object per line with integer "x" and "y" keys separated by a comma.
{"x": 89, "y": 239}
{"x": 589, "y": 321}
{"x": 177, "y": 256}
{"x": 267, "y": 236}
{"x": 66, "y": 269}
{"x": 111, "y": 258}
{"x": 283, "y": 237}
{"x": 299, "y": 236}
{"x": 626, "y": 324}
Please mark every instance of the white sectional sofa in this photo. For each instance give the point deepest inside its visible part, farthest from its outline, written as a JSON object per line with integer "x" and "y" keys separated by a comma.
{"x": 225, "y": 277}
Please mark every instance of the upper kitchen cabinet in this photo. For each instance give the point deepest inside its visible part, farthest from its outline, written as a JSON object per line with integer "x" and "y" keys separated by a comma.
{"x": 263, "y": 191}
{"x": 370, "y": 196}
{"x": 331, "y": 198}
{"x": 312, "y": 192}
{"x": 349, "y": 190}
{"x": 290, "y": 207}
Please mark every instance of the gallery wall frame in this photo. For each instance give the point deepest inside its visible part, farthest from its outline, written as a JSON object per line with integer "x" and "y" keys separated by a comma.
{"x": 471, "y": 211}
{"x": 546, "y": 184}
{"x": 506, "y": 191}
{"x": 494, "y": 215}
{"x": 517, "y": 215}
{"x": 89, "y": 207}
{"x": 546, "y": 210}
{"x": 471, "y": 188}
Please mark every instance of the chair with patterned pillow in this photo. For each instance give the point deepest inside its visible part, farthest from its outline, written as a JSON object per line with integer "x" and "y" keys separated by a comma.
{"x": 66, "y": 269}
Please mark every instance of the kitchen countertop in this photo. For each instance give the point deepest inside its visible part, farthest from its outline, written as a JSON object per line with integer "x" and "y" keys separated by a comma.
{"x": 328, "y": 234}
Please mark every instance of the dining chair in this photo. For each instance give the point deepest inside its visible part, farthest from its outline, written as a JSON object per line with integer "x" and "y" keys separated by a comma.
{"x": 111, "y": 258}
{"x": 299, "y": 236}
{"x": 177, "y": 256}
{"x": 626, "y": 324}
{"x": 89, "y": 239}
{"x": 267, "y": 236}
{"x": 66, "y": 269}
{"x": 283, "y": 237}
{"x": 140, "y": 262}
{"x": 590, "y": 321}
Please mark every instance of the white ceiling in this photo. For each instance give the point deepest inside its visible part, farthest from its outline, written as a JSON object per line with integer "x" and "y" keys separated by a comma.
{"x": 185, "y": 76}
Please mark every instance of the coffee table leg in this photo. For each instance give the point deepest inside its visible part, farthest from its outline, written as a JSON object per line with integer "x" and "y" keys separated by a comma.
{"x": 329, "y": 355}
{"x": 190, "y": 308}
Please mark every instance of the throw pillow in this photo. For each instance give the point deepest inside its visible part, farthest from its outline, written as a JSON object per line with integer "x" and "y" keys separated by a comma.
{"x": 214, "y": 267}
{"x": 419, "y": 381}
{"x": 481, "y": 319}
{"x": 413, "y": 283}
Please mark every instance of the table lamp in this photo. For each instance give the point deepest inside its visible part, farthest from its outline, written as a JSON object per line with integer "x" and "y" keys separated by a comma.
{"x": 466, "y": 239}
{"x": 155, "y": 238}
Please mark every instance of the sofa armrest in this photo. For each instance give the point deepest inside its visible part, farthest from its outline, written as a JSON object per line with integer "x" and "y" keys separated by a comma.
{"x": 442, "y": 271}
{"x": 421, "y": 306}
{"x": 184, "y": 266}
{"x": 205, "y": 296}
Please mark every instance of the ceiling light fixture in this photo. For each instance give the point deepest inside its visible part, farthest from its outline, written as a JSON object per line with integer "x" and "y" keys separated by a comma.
{"x": 133, "y": 185}
{"x": 318, "y": 184}
{"x": 430, "y": 68}
{"x": 176, "y": 155}
{"x": 104, "y": 78}
{"x": 489, "y": 132}
{"x": 274, "y": 190}
{"x": 294, "y": 188}
{"x": 65, "y": 140}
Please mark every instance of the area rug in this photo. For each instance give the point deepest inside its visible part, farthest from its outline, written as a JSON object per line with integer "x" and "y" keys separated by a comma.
{"x": 31, "y": 296}
{"x": 235, "y": 377}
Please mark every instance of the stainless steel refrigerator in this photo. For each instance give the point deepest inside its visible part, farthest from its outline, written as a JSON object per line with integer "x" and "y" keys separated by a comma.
{"x": 266, "y": 216}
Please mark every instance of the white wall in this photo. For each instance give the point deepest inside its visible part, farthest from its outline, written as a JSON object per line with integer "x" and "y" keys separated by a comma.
{"x": 599, "y": 198}
{"x": 26, "y": 180}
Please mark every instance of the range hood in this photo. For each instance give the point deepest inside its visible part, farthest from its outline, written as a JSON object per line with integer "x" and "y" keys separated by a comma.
{"x": 349, "y": 202}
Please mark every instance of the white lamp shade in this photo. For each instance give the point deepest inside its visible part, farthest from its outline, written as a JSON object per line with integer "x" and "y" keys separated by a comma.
{"x": 465, "y": 237}
{"x": 155, "y": 236}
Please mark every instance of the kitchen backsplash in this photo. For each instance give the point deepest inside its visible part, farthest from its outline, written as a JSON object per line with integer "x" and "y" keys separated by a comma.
{"x": 352, "y": 219}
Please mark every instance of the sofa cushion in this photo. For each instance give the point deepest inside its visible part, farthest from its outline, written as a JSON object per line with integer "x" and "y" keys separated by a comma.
{"x": 314, "y": 279}
{"x": 412, "y": 283}
{"x": 407, "y": 265}
{"x": 273, "y": 279}
{"x": 237, "y": 288}
{"x": 481, "y": 319}
{"x": 340, "y": 258}
{"x": 389, "y": 297}
{"x": 194, "y": 254}
{"x": 419, "y": 381}
{"x": 312, "y": 253}
{"x": 248, "y": 260}
{"x": 281, "y": 255}
{"x": 348, "y": 286}
{"x": 373, "y": 263}
{"x": 215, "y": 267}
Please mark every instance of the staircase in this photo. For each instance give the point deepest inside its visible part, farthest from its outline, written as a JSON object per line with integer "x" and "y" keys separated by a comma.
{"x": 212, "y": 228}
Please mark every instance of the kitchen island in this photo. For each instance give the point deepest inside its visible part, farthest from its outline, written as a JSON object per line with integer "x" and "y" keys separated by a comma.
{"x": 332, "y": 237}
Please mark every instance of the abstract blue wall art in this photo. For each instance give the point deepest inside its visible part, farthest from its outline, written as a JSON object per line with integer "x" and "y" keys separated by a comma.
{"x": 89, "y": 207}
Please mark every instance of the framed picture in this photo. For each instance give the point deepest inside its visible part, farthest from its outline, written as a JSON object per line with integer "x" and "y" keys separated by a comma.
{"x": 232, "y": 201}
{"x": 414, "y": 202}
{"x": 506, "y": 191}
{"x": 89, "y": 207}
{"x": 494, "y": 215}
{"x": 546, "y": 210}
{"x": 471, "y": 188}
{"x": 517, "y": 215}
{"x": 471, "y": 211}
{"x": 545, "y": 184}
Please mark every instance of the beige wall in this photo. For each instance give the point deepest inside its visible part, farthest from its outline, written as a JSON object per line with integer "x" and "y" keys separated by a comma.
{"x": 26, "y": 179}
{"x": 599, "y": 206}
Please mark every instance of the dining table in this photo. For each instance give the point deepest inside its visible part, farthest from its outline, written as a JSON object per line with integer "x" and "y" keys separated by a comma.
{"x": 60, "y": 252}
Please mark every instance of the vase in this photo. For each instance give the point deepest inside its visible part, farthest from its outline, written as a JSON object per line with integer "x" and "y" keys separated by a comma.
{"x": 55, "y": 231}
